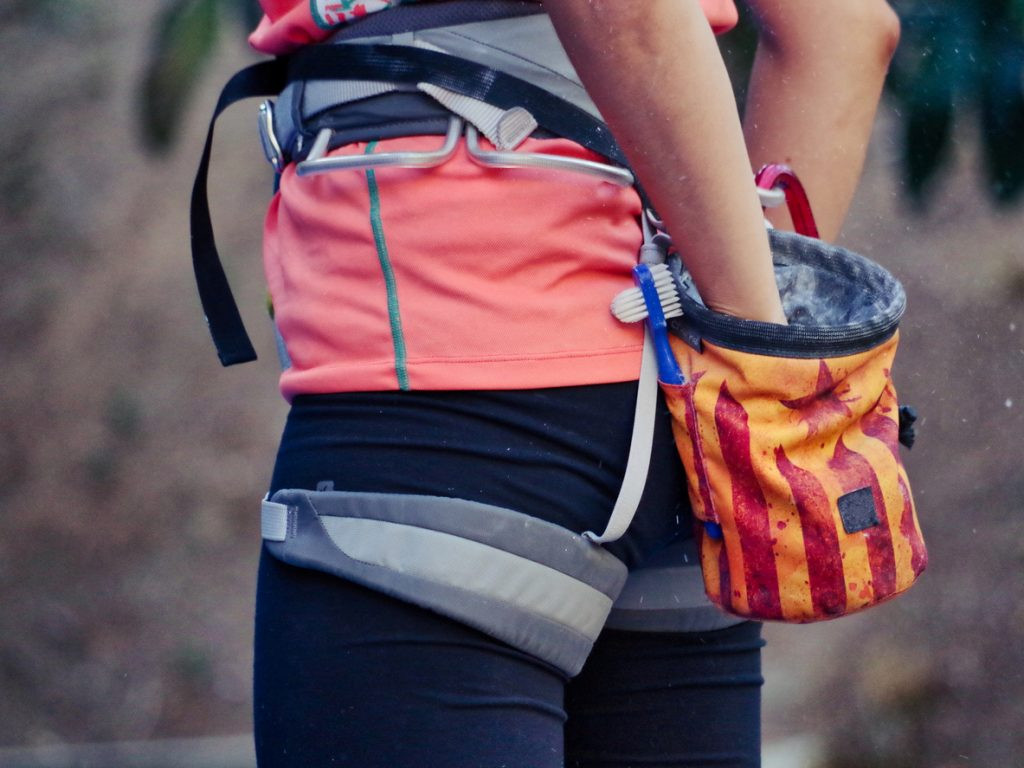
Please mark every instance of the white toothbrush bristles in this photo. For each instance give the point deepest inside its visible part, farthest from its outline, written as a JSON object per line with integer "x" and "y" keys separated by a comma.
{"x": 629, "y": 306}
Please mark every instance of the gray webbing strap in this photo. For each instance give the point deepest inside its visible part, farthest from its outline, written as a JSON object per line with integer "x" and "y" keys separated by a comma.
{"x": 273, "y": 520}
{"x": 504, "y": 128}
{"x": 666, "y": 594}
{"x": 639, "y": 461}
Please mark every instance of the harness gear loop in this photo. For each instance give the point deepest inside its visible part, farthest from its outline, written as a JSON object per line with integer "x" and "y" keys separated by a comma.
{"x": 316, "y": 162}
{"x": 391, "y": 63}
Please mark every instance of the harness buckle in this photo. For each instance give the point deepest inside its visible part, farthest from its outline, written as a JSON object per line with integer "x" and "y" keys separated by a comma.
{"x": 271, "y": 147}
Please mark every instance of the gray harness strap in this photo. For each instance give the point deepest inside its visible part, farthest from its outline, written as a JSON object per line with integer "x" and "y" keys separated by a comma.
{"x": 667, "y": 595}
{"x": 532, "y": 584}
{"x": 524, "y": 46}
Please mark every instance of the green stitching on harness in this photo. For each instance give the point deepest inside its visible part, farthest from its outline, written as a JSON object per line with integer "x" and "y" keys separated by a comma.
{"x": 394, "y": 316}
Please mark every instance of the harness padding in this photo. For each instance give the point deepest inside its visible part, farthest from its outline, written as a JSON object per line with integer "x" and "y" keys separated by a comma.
{"x": 537, "y": 586}
{"x": 667, "y": 595}
{"x": 525, "y": 47}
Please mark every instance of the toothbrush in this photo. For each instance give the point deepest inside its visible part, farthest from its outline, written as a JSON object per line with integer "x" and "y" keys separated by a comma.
{"x": 668, "y": 368}
{"x": 629, "y": 306}
{"x": 655, "y": 296}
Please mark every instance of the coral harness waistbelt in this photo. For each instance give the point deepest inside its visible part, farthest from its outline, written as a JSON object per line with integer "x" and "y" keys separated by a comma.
{"x": 454, "y": 76}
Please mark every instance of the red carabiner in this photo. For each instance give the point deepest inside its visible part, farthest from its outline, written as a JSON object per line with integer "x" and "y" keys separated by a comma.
{"x": 779, "y": 176}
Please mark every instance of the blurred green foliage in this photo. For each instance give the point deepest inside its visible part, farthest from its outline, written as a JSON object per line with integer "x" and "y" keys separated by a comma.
{"x": 183, "y": 43}
{"x": 956, "y": 59}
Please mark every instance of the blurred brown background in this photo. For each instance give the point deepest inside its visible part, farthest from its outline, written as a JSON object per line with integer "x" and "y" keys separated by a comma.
{"x": 131, "y": 464}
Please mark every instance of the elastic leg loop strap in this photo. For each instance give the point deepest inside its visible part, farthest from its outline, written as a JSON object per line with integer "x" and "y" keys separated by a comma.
{"x": 639, "y": 461}
{"x": 537, "y": 586}
{"x": 666, "y": 594}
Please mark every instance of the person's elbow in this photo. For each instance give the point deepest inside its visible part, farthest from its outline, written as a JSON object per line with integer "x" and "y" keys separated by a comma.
{"x": 886, "y": 34}
{"x": 868, "y": 31}
{"x": 864, "y": 33}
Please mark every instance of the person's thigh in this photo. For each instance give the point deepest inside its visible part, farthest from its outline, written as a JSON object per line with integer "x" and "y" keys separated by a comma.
{"x": 557, "y": 454}
{"x": 347, "y": 676}
{"x": 668, "y": 700}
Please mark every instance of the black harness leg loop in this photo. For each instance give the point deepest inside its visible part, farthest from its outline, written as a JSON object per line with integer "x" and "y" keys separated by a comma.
{"x": 229, "y": 336}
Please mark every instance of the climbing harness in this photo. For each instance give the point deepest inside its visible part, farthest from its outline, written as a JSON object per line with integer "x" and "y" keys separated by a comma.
{"x": 540, "y": 587}
{"x": 287, "y": 138}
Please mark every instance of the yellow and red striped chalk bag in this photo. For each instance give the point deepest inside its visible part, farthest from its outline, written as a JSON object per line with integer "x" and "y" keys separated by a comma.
{"x": 790, "y": 438}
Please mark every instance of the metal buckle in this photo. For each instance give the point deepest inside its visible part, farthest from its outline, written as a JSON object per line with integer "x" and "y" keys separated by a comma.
{"x": 271, "y": 147}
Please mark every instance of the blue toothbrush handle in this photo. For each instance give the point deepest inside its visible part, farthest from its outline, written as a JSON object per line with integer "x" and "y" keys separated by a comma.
{"x": 668, "y": 368}
{"x": 713, "y": 530}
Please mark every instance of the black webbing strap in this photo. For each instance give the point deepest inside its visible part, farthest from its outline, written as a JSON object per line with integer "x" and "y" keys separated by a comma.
{"x": 233, "y": 345}
{"x": 403, "y": 64}
{"x": 389, "y": 63}
{"x": 434, "y": 14}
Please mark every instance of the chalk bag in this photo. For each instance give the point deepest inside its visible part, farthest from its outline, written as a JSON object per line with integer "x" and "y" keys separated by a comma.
{"x": 790, "y": 437}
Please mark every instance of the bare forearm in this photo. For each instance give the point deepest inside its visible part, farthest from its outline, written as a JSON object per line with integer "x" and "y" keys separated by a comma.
{"x": 814, "y": 91}
{"x": 654, "y": 72}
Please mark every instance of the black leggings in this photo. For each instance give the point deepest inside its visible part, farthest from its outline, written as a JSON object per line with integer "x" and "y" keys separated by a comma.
{"x": 350, "y": 677}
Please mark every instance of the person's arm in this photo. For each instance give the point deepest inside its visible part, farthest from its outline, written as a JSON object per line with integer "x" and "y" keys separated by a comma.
{"x": 655, "y": 72}
{"x": 814, "y": 90}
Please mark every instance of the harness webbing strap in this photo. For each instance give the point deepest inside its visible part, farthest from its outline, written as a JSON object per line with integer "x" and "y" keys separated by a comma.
{"x": 533, "y": 584}
{"x": 405, "y": 64}
{"x": 226, "y": 327}
{"x": 437, "y": 13}
{"x": 639, "y": 462}
{"x": 273, "y": 520}
{"x": 390, "y": 63}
